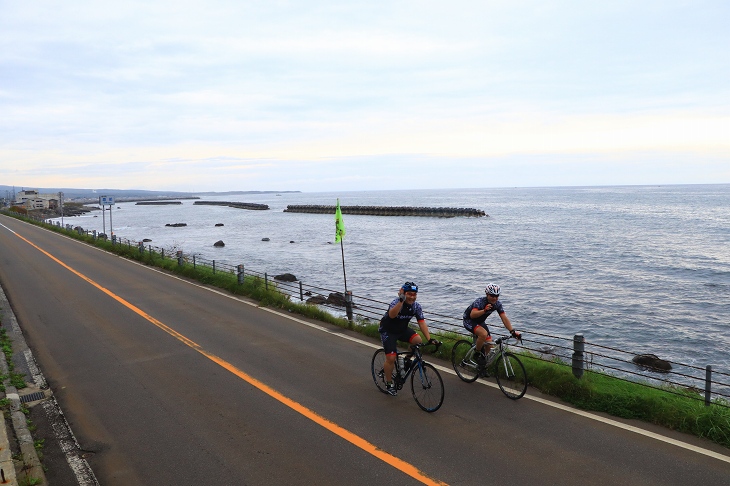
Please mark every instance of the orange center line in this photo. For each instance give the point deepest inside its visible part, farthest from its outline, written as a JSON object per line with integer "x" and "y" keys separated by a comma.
{"x": 354, "y": 439}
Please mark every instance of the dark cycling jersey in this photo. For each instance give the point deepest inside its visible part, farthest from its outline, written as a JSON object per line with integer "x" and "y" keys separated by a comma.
{"x": 400, "y": 323}
{"x": 480, "y": 304}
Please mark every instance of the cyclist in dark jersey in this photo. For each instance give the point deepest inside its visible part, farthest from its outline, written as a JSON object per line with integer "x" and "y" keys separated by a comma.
{"x": 394, "y": 328}
{"x": 477, "y": 313}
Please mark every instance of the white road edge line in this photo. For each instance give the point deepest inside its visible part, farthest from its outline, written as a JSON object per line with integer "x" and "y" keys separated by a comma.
{"x": 450, "y": 371}
{"x": 549, "y": 403}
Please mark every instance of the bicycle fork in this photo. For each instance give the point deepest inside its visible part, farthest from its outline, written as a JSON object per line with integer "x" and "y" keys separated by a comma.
{"x": 508, "y": 370}
{"x": 425, "y": 383}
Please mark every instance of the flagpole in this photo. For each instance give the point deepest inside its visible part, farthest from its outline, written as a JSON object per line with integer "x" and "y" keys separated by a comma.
{"x": 344, "y": 273}
{"x": 339, "y": 236}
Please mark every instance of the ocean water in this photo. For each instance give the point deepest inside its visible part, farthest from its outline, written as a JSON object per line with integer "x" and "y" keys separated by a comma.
{"x": 642, "y": 268}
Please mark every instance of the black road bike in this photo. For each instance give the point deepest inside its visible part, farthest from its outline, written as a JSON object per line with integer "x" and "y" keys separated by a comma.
{"x": 426, "y": 383}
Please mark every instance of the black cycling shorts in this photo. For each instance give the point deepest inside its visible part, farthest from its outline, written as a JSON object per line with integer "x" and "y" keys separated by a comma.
{"x": 390, "y": 340}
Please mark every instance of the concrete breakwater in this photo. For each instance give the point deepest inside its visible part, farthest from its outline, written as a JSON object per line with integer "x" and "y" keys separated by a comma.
{"x": 239, "y": 205}
{"x": 157, "y": 203}
{"x": 388, "y": 211}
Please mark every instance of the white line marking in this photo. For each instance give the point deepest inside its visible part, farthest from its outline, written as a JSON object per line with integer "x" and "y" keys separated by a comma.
{"x": 549, "y": 403}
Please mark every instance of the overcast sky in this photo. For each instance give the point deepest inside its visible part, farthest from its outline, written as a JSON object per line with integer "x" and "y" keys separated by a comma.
{"x": 348, "y": 95}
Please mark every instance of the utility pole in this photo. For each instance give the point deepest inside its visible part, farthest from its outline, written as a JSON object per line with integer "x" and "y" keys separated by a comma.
{"x": 60, "y": 203}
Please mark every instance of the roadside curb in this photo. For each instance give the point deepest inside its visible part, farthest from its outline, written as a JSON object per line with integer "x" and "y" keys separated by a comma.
{"x": 7, "y": 468}
{"x": 67, "y": 441}
{"x": 29, "y": 456}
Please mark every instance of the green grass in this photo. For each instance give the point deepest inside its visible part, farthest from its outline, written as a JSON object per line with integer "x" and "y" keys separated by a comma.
{"x": 671, "y": 407}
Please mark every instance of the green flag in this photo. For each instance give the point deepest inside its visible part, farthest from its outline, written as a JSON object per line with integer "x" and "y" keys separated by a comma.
{"x": 339, "y": 224}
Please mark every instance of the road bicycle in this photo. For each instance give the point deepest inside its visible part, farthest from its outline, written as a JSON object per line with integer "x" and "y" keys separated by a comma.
{"x": 504, "y": 365}
{"x": 426, "y": 383}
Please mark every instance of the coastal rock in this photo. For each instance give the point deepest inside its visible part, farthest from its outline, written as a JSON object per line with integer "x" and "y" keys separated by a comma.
{"x": 337, "y": 299}
{"x": 219, "y": 243}
{"x": 316, "y": 300}
{"x": 292, "y": 241}
{"x": 286, "y": 277}
{"x": 176, "y": 225}
{"x": 146, "y": 240}
{"x": 653, "y": 362}
{"x": 219, "y": 224}
{"x": 265, "y": 239}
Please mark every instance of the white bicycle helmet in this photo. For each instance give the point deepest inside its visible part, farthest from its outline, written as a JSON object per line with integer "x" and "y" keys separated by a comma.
{"x": 492, "y": 289}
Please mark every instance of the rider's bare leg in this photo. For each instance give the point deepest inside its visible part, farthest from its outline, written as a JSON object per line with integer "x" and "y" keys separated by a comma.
{"x": 482, "y": 338}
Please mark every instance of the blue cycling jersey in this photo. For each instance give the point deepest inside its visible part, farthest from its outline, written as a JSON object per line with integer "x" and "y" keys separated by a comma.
{"x": 400, "y": 322}
{"x": 480, "y": 304}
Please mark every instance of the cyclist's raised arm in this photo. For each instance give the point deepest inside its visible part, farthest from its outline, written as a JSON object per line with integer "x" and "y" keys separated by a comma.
{"x": 477, "y": 312}
{"x": 397, "y": 305}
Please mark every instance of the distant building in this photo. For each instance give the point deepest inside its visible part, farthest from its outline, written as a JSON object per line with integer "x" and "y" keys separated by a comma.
{"x": 31, "y": 199}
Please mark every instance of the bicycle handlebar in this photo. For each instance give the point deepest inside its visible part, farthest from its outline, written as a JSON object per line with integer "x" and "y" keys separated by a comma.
{"x": 430, "y": 342}
{"x": 504, "y": 339}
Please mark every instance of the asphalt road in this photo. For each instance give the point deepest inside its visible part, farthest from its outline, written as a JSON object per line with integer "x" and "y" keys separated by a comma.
{"x": 168, "y": 382}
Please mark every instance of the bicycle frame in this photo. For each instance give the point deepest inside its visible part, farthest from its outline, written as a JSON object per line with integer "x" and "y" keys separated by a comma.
{"x": 502, "y": 350}
{"x": 416, "y": 362}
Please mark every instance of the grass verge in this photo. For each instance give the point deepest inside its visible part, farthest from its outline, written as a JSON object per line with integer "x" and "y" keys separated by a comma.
{"x": 672, "y": 407}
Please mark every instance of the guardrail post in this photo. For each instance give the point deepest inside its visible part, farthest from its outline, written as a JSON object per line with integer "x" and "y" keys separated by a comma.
{"x": 213, "y": 267}
{"x": 348, "y": 304}
{"x": 114, "y": 240}
{"x": 93, "y": 234}
{"x": 163, "y": 253}
{"x": 179, "y": 258}
{"x": 266, "y": 280}
{"x": 141, "y": 248}
{"x": 301, "y": 292}
{"x": 579, "y": 344}
{"x": 240, "y": 274}
{"x": 708, "y": 385}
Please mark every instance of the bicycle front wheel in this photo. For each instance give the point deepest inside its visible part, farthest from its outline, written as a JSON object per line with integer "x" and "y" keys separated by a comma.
{"x": 427, "y": 387}
{"x": 462, "y": 359}
{"x": 511, "y": 376}
{"x": 377, "y": 368}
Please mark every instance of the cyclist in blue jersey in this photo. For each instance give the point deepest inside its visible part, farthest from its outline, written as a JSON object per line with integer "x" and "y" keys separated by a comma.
{"x": 394, "y": 328}
{"x": 477, "y": 313}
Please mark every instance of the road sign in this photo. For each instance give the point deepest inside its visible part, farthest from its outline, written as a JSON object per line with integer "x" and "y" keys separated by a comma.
{"x": 106, "y": 200}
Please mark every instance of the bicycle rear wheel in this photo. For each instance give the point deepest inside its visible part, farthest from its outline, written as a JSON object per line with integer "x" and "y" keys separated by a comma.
{"x": 377, "y": 369}
{"x": 427, "y": 387}
{"x": 462, "y": 359}
{"x": 511, "y": 376}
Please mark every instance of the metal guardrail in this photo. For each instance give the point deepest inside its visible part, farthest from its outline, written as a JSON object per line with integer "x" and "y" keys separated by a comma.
{"x": 702, "y": 383}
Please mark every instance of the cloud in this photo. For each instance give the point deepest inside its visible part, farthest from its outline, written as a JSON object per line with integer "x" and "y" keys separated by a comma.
{"x": 279, "y": 86}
